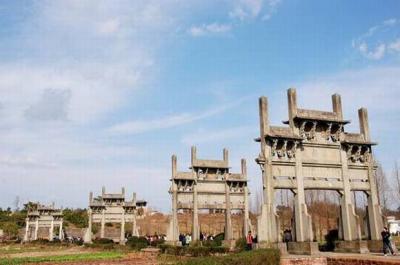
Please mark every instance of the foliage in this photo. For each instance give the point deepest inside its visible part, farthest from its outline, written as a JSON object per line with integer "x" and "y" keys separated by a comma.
{"x": 219, "y": 238}
{"x": 7, "y": 216}
{"x": 77, "y": 217}
{"x": 330, "y": 239}
{"x": 10, "y": 229}
{"x": 241, "y": 244}
{"x": 255, "y": 257}
{"x": 64, "y": 258}
{"x": 137, "y": 243}
{"x": 194, "y": 251}
{"x": 102, "y": 243}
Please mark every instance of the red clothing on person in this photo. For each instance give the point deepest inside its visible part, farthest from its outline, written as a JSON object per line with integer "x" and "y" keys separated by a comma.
{"x": 249, "y": 239}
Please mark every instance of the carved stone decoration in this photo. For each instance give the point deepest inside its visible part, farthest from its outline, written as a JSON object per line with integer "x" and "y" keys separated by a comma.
{"x": 328, "y": 131}
{"x": 349, "y": 151}
{"x": 365, "y": 157}
{"x": 291, "y": 153}
{"x": 273, "y": 147}
{"x": 311, "y": 134}
{"x": 282, "y": 151}
{"x": 302, "y": 129}
{"x": 337, "y": 135}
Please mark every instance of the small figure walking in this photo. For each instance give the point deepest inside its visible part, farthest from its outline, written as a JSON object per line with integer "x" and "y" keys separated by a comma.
{"x": 387, "y": 244}
{"x": 249, "y": 241}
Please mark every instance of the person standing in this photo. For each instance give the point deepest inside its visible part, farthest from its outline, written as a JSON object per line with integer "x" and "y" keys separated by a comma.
{"x": 249, "y": 241}
{"x": 387, "y": 244}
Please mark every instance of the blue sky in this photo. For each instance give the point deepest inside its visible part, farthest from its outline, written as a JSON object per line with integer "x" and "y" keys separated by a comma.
{"x": 99, "y": 93}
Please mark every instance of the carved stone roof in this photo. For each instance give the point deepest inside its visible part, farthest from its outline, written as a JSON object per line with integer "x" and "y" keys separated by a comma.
{"x": 184, "y": 175}
{"x": 114, "y": 196}
{"x": 305, "y": 114}
{"x": 281, "y": 132}
{"x": 235, "y": 177}
{"x": 356, "y": 138}
{"x": 202, "y": 163}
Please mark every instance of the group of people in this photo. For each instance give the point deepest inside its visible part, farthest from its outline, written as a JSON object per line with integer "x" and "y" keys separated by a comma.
{"x": 155, "y": 238}
{"x": 186, "y": 239}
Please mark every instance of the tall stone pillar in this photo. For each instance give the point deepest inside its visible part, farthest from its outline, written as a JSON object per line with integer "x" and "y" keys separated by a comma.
{"x": 349, "y": 219}
{"x": 195, "y": 223}
{"x": 135, "y": 231}
{"x": 61, "y": 232}
{"x": 36, "y": 229}
{"x": 375, "y": 219}
{"x": 174, "y": 222}
{"x": 246, "y": 219}
{"x": 102, "y": 227}
{"x": 302, "y": 218}
{"x": 228, "y": 218}
{"x": 88, "y": 235}
{"x": 268, "y": 221}
{"x": 26, "y": 236}
{"x": 122, "y": 237}
{"x": 51, "y": 230}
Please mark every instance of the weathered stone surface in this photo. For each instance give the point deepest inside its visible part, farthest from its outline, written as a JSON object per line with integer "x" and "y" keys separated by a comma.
{"x": 302, "y": 248}
{"x": 357, "y": 246}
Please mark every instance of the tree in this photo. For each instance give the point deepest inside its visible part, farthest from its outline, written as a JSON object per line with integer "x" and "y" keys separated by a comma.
{"x": 10, "y": 229}
{"x": 383, "y": 188}
{"x": 396, "y": 177}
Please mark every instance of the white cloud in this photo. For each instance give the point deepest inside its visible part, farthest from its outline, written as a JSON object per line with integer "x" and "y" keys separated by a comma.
{"x": 209, "y": 29}
{"x": 375, "y": 54}
{"x": 395, "y": 46}
{"x": 251, "y": 9}
{"x": 378, "y": 40}
{"x": 140, "y": 126}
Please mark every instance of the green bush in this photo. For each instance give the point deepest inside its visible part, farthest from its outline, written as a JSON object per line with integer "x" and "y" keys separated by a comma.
{"x": 194, "y": 251}
{"x": 102, "y": 243}
{"x": 137, "y": 243}
{"x": 10, "y": 229}
{"x": 77, "y": 217}
{"x": 218, "y": 239}
{"x": 256, "y": 257}
{"x": 241, "y": 244}
{"x": 156, "y": 243}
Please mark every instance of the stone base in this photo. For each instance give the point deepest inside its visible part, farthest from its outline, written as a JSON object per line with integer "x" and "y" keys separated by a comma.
{"x": 303, "y": 248}
{"x": 375, "y": 246}
{"x": 357, "y": 246}
{"x": 231, "y": 244}
{"x": 280, "y": 245}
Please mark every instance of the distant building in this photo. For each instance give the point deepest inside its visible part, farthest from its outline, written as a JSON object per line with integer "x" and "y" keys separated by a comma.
{"x": 393, "y": 225}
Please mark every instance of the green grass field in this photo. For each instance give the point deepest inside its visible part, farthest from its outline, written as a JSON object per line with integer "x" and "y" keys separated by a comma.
{"x": 63, "y": 258}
